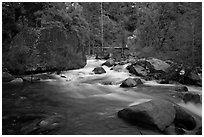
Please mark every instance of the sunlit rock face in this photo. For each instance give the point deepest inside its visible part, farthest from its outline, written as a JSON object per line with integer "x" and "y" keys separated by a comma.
{"x": 50, "y": 48}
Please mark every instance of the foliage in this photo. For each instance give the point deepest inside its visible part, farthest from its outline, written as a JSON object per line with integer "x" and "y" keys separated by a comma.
{"x": 164, "y": 30}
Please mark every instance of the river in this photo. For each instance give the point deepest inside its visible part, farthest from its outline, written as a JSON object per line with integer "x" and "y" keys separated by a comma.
{"x": 84, "y": 102}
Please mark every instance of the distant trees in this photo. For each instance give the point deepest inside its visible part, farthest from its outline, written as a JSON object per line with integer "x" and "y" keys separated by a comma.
{"x": 170, "y": 30}
{"x": 164, "y": 30}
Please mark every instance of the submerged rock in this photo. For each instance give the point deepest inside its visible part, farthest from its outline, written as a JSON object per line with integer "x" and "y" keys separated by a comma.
{"x": 99, "y": 70}
{"x": 129, "y": 82}
{"x": 158, "y": 113}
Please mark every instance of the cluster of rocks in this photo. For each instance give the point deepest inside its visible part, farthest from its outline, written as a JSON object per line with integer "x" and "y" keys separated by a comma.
{"x": 166, "y": 72}
{"x": 7, "y": 77}
{"x": 160, "y": 114}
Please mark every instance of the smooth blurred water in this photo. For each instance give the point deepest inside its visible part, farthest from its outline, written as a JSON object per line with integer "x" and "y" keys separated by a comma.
{"x": 90, "y": 105}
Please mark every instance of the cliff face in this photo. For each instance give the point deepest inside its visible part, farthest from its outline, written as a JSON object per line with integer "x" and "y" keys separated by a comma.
{"x": 47, "y": 49}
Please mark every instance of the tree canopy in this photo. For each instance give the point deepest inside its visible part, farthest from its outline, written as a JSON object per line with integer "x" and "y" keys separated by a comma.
{"x": 164, "y": 30}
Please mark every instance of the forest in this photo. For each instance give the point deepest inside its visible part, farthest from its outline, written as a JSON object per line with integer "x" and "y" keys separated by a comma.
{"x": 163, "y": 30}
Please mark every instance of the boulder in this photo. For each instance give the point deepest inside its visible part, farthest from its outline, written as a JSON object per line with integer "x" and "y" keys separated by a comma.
{"x": 137, "y": 70}
{"x": 48, "y": 49}
{"x": 172, "y": 73}
{"x": 192, "y": 97}
{"x": 184, "y": 119}
{"x": 6, "y": 77}
{"x": 138, "y": 81}
{"x": 181, "y": 88}
{"x": 158, "y": 113}
{"x": 129, "y": 82}
{"x": 158, "y": 65}
{"x": 109, "y": 63}
{"x": 153, "y": 65}
{"x": 99, "y": 70}
{"x": 17, "y": 80}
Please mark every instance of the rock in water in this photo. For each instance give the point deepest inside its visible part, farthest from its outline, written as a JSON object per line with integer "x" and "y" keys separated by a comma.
{"x": 99, "y": 70}
{"x": 137, "y": 70}
{"x": 6, "y": 77}
{"x": 129, "y": 82}
{"x": 109, "y": 63}
{"x": 181, "y": 88}
{"x": 190, "y": 97}
{"x": 158, "y": 64}
{"x": 48, "y": 49}
{"x": 184, "y": 119}
{"x": 17, "y": 80}
{"x": 159, "y": 113}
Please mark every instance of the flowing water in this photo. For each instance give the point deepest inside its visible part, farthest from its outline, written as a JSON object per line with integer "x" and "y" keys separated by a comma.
{"x": 87, "y": 103}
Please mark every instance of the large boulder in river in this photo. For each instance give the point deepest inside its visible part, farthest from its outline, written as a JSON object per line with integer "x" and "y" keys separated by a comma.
{"x": 129, "y": 82}
{"x": 109, "y": 63}
{"x": 137, "y": 70}
{"x": 99, "y": 70}
{"x": 158, "y": 65}
{"x": 158, "y": 113}
{"x": 46, "y": 49}
{"x": 153, "y": 65}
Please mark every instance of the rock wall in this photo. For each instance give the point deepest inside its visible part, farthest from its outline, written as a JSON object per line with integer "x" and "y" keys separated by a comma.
{"x": 48, "y": 49}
